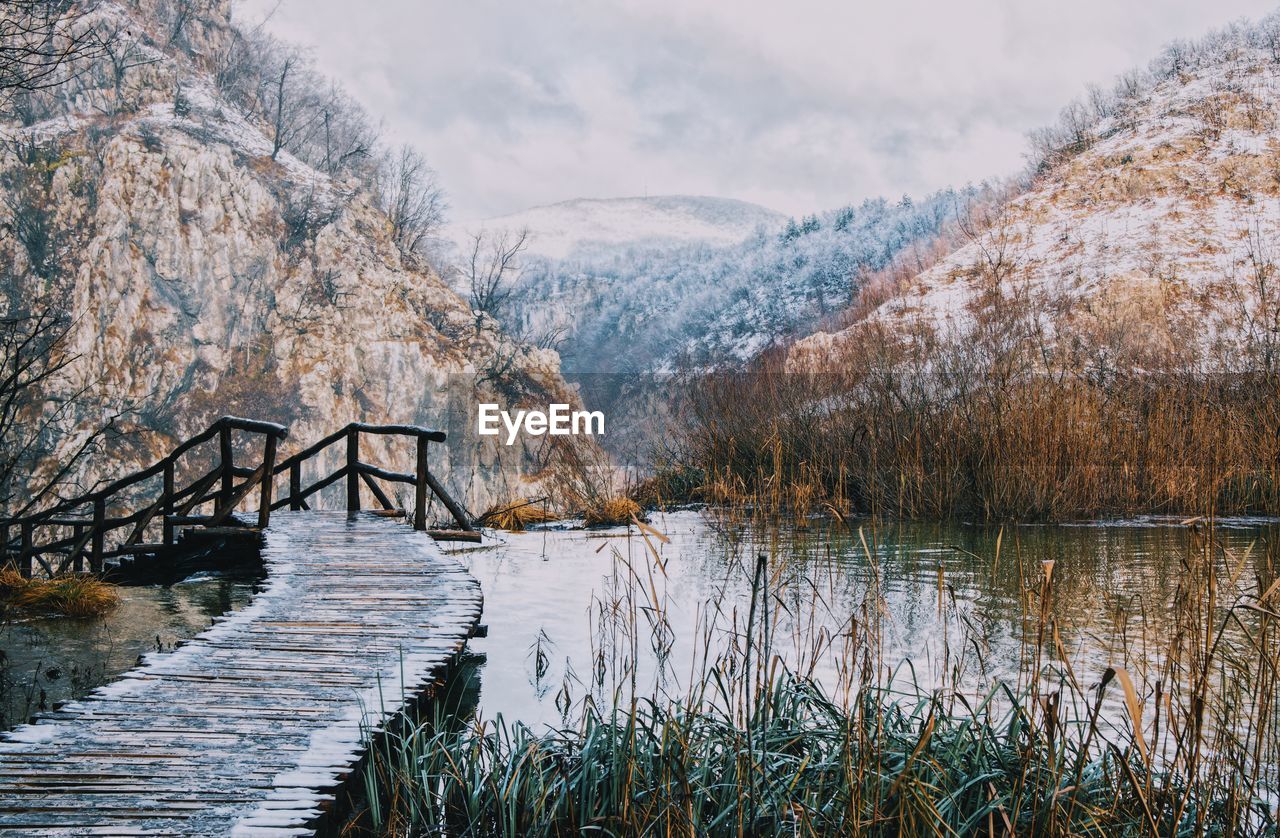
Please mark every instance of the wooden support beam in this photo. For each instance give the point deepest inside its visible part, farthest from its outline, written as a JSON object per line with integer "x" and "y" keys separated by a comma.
{"x": 455, "y": 535}
{"x": 268, "y": 481}
{"x": 420, "y": 487}
{"x": 99, "y": 534}
{"x": 295, "y": 486}
{"x": 198, "y": 495}
{"x": 24, "y": 557}
{"x": 168, "y": 503}
{"x": 458, "y": 513}
{"x": 353, "y": 470}
{"x": 227, "y": 464}
{"x": 377, "y": 491}
{"x": 239, "y": 494}
{"x": 77, "y": 550}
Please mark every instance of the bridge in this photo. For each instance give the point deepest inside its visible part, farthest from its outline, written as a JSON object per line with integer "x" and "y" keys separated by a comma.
{"x": 254, "y": 726}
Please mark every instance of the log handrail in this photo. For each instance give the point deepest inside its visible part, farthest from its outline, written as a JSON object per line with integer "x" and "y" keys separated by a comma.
{"x": 90, "y": 532}
{"x": 401, "y": 430}
{"x": 356, "y": 473}
{"x": 173, "y": 506}
{"x": 234, "y": 423}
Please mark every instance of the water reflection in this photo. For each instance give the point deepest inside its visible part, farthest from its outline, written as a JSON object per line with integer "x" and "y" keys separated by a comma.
{"x": 954, "y": 599}
{"x": 49, "y": 661}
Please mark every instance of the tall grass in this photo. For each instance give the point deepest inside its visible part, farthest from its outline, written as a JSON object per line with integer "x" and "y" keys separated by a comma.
{"x": 1177, "y": 740}
{"x": 919, "y": 429}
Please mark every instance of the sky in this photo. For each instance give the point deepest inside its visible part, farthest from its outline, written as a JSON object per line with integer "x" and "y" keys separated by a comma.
{"x": 799, "y": 106}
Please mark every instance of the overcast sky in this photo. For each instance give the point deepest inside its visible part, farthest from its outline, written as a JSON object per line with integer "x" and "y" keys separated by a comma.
{"x": 797, "y": 105}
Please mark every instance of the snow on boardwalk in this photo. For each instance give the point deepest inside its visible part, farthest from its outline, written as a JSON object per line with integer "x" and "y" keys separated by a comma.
{"x": 250, "y": 727}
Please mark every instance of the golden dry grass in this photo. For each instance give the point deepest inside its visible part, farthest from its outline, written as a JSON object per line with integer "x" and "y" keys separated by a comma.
{"x": 517, "y": 516}
{"x": 612, "y": 512}
{"x": 69, "y": 595}
{"x": 1001, "y": 426}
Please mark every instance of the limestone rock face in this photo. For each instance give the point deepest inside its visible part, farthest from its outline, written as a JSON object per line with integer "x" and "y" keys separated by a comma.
{"x": 204, "y": 278}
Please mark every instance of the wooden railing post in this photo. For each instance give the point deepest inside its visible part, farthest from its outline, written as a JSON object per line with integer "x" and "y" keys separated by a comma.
{"x": 228, "y": 469}
{"x": 353, "y": 470}
{"x": 99, "y": 534}
{"x": 24, "y": 558}
{"x": 268, "y": 481}
{"x": 166, "y": 508}
{"x": 295, "y": 486}
{"x": 77, "y": 561}
{"x": 420, "y": 487}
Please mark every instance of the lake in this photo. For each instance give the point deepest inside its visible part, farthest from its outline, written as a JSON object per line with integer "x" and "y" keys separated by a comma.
{"x": 573, "y": 613}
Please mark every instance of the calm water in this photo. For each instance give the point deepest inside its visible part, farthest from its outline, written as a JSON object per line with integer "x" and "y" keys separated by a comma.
{"x": 573, "y": 612}
{"x": 548, "y": 594}
{"x": 53, "y": 660}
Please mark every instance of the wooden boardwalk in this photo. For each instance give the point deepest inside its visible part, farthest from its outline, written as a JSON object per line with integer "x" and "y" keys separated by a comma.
{"x": 250, "y": 727}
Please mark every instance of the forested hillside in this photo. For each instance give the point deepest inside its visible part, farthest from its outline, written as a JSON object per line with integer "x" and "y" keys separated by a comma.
{"x": 638, "y": 307}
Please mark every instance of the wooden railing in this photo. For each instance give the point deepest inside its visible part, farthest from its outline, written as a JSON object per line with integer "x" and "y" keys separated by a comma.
{"x": 356, "y": 472}
{"x": 76, "y": 531}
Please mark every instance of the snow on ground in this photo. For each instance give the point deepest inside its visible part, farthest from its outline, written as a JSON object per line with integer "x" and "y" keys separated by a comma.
{"x": 1169, "y": 207}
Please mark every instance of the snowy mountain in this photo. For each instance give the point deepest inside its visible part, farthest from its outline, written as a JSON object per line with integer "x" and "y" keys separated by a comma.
{"x": 1149, "y": 237}
{"x": 594, "y": 226}
{"x": 653, "y": 302}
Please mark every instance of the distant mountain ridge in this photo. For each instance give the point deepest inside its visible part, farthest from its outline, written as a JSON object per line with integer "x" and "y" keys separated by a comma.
{"x": 648, "y": 304}
{"x": 590, "y": 226}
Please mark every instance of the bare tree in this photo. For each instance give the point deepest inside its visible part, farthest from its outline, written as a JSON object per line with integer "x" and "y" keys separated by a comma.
{"x": 123, "y": 52}
{"x": 33, "y": 357}
{"x": 410, "y": 195}
{"x": 39, "y": 40}
{"x": 348, "y": 142}
{"x": 494, "y": 267}
{"x": 289, "y": 95}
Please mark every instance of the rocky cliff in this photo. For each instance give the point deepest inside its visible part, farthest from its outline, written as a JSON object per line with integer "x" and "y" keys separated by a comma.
{"x": 205, "y": 272}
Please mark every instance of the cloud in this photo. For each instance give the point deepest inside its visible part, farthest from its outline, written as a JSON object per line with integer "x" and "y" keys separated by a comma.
{"x": 800, "y": 106}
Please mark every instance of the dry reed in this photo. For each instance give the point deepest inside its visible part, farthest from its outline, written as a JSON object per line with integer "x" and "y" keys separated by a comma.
{"x": 71, "y": 595}
{"x": 612, "y": 512}
{"x": 518, "y": 515}
{"x": 1188, "y": 746}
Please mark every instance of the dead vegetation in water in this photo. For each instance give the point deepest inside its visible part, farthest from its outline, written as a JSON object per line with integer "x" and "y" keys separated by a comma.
{"x": 69, "y": 595}
{"x": 612, "y": 512}
{"x": 518, "y": 516}
{"x": 1019, "y": 417}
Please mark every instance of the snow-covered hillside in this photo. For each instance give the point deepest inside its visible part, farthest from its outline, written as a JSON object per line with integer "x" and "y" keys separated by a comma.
{"x": 650, "y": 305}
{"x": 1150, "y": 235}
{"x": 594, "y": 226}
